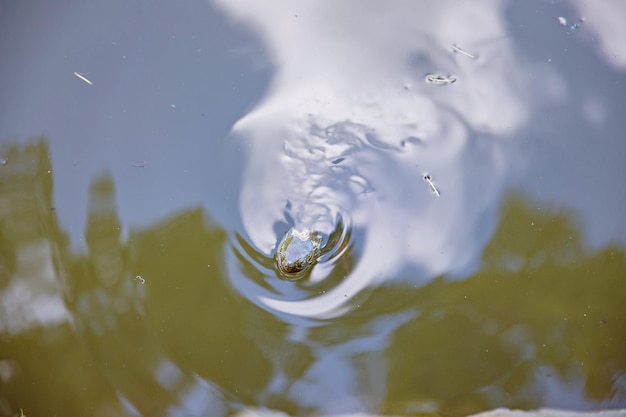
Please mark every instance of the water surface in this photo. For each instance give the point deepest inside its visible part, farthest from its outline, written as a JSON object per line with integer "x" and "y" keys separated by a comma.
{"x": 463, "y": 165}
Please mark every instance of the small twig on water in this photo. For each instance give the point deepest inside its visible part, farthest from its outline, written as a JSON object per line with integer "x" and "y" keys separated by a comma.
{"x": 432, "y": 186}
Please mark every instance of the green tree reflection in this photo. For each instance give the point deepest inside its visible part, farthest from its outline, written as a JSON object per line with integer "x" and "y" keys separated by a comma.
{"x": 160, "y": 319}
{"x": 43, "y": 368}
{"x": 540, "y": 309}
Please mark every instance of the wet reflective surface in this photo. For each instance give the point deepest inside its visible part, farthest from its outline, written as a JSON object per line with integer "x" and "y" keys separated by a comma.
{"x": 462, "y": 164}
{"x": 297, "y": 253}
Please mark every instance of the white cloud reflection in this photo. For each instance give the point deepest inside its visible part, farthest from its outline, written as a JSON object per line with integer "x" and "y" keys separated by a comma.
{"x": 350, "y": 82}
{"x": 33, "y": 298}
{"x": 607, "y": 20}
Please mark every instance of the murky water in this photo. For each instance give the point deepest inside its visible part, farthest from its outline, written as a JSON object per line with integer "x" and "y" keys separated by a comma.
{"x": 462, "y": 165}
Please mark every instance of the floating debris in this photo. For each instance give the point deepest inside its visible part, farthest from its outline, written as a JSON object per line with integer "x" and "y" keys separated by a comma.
{"x": 141, "y": 164}
{"x": 577, "y": 24}
{"x": 82, "y": 77}
{"x": 563, "y": 22}
{"x": 455, "y": 48}
{"x": 432, "y": 186}
{"x": 438, "y": 79}
{"x": 143, "y": 281}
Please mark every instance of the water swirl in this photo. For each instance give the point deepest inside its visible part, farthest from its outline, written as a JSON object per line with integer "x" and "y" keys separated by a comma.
{"x": 305, "y": 210}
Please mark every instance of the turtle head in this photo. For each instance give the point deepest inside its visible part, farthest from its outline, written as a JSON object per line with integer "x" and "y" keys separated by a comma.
{"x": 297, "y": 252}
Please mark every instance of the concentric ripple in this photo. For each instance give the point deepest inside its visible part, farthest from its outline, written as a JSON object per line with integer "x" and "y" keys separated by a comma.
{"x": 256, "y": 275}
